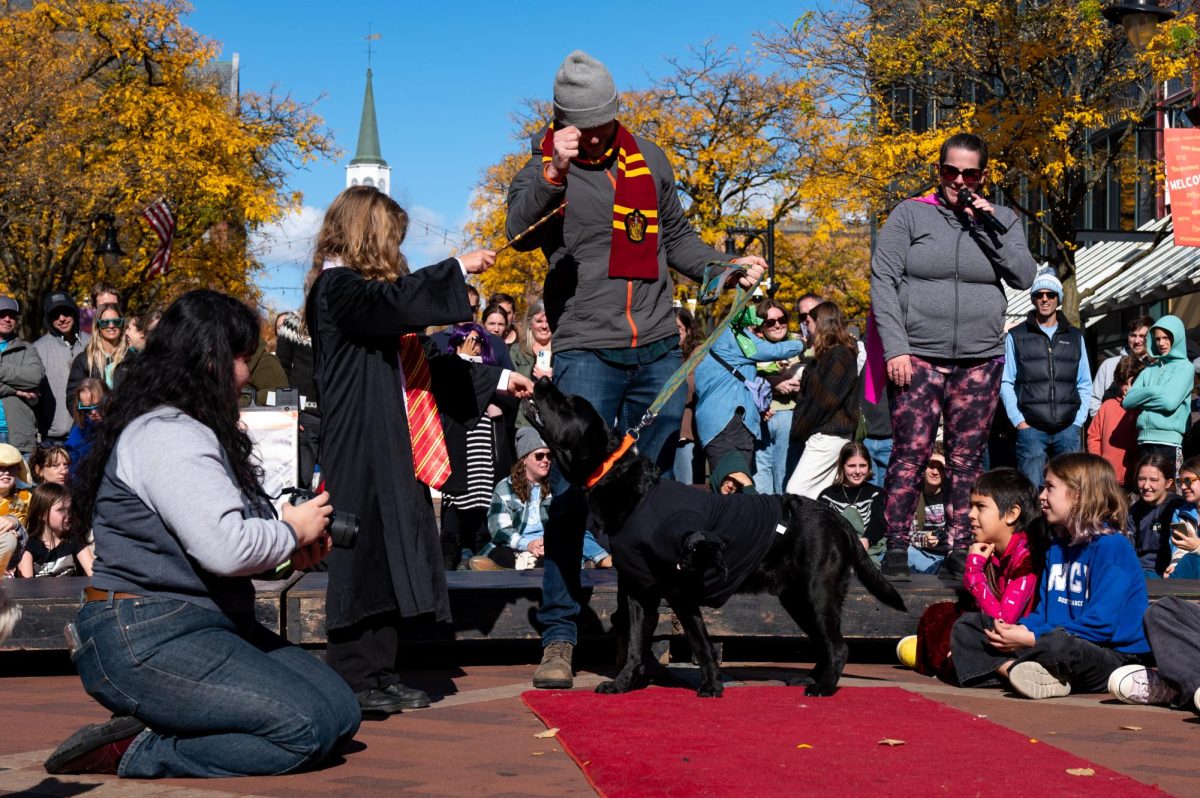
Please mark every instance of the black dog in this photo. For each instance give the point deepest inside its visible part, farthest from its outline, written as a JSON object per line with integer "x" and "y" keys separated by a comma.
{"x": 670, "y": 541}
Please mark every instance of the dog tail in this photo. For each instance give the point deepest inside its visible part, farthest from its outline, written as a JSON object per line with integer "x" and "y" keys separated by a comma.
{"x": 872, "y": 578}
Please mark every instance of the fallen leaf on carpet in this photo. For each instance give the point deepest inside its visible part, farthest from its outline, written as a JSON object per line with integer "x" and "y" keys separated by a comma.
{"x": 1032, "y": 740}
{"x": 1081, "y": 771}
{"x": 804, "y": 745}
{"x": 547, "y": 733}
{"x": 891, "y": 742}
{"x": 1131, "y": 728}
{"x": 538, "y": 753}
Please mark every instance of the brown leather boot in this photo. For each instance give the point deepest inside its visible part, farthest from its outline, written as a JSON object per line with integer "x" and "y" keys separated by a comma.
{"x": 555, "y": 671}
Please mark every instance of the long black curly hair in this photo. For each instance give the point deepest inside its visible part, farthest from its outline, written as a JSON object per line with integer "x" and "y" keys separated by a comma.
{"x": 188, "y": 364}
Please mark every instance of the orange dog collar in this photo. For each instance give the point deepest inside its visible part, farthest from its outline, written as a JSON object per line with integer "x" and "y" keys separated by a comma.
{"x": 610, "y": 461}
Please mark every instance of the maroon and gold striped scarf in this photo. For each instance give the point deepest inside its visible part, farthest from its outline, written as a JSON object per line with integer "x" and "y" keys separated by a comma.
{"x": 634, "y": 251}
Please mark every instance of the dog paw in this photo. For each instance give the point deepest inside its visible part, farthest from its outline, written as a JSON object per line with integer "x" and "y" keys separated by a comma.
{"x": 609, "y": 688}
{"x": 817, "y": 690}
{"x": 711, "y": 690}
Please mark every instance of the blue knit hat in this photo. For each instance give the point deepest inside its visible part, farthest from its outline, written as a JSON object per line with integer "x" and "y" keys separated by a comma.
{"x": 1046, "y": 280}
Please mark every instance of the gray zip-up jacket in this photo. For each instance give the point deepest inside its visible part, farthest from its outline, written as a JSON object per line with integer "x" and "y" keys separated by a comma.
{"x": 936, "y": 281}
{"x": 586, "y": 308}
{"x": 20, "y": 370}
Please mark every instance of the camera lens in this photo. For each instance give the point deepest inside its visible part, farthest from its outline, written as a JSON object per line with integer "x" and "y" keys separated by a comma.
{"x": 343, "y": 528}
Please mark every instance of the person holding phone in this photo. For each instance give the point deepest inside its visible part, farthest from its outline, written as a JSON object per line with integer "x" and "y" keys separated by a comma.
{"x": 1185, "y": 528}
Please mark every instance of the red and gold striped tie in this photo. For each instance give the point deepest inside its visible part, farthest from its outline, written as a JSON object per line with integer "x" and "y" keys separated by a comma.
{"x": 431, "y": 461}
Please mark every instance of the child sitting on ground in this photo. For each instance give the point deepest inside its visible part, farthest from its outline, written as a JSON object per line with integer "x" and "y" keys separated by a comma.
{"x": 1173, "y": 628}
{"x": 1151, "y": 516}
{"x": 518, "y": 513}
{"x": 859, "y": 502}
{"x": 928, "y": 542}
{"x": 1113, "y": 432}
{"x": 53, "y": 549}
{"x": 1001, "y": 571}
{"x": 1091, "y": 596}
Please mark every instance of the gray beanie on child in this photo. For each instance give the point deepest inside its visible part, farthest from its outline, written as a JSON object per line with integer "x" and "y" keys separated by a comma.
{"x": 528, "y": 441}
{"x": 584, "y": 92}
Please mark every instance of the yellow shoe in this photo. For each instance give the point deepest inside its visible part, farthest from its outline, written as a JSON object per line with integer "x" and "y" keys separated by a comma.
{"x": 906, "y": 651}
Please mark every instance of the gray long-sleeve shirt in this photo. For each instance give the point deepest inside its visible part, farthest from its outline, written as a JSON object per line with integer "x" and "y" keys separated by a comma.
{"x": 171, "y": 521}
{"x": 936, "y": 281}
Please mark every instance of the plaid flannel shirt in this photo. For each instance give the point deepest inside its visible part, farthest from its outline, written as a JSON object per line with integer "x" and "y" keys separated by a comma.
{"x": 507, "y": 515}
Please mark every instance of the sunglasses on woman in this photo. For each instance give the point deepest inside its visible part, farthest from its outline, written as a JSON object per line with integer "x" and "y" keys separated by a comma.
{"x": 540, "y": 456}
{"x": 104, "y": 324}
{"x": 970, "y": 176}
{"x": 774, "y": 321}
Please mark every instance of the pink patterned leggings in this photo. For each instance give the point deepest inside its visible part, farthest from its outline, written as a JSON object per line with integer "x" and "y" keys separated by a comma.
{"x": 966, "y": 393}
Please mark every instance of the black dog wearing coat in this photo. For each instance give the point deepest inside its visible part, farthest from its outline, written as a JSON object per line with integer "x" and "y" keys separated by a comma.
{"x": 670, "y": 541}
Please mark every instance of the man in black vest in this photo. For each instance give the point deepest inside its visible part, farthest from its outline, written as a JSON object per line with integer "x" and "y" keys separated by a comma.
{"x": 1047, "y": 382}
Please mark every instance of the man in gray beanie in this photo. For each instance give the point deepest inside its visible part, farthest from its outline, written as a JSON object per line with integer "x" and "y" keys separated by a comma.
{"x": 1046, "y": 384}
{"x": 608, "y": 298}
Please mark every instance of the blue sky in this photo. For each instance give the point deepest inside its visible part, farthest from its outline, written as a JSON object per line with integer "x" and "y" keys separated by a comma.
{"x": 447, "y": 77}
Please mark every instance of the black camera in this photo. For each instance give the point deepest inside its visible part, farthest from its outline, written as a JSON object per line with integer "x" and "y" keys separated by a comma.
{"x": 343, "y": 527}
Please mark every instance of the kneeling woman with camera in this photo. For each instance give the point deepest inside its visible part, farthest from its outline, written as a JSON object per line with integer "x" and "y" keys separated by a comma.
{"x": 166, "y": 638}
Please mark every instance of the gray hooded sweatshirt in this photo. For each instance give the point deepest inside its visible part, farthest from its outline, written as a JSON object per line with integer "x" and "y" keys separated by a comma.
{"x": 936, "y": 281}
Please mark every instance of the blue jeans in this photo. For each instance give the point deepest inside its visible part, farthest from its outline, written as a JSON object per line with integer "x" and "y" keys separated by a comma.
{"x": 684, "y": 452}
{"x": 621, "y": 396}
{"x": 880, "y": 450}
{"x": 771, "y": 455}
{"x": 219, "y": 698}
{"x": 1035, "y": 448}
{"x": 924, "y": 562}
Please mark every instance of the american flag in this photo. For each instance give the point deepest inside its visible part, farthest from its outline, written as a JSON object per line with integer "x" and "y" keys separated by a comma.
{"x": 162, "y": 222}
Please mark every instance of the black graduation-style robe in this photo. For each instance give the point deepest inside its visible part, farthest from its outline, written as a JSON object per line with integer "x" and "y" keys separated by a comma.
{"x": 366, "y": 451}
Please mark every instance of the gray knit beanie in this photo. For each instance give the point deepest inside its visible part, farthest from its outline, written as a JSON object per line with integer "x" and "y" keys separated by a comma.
{"x": 528, "y": 441}
{"x": 584, "y": 93}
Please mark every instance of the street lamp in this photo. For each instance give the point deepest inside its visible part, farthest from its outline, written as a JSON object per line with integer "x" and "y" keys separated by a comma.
{"x": 767, "y": 236}
{"x": 1139, "y": 18}
{"x": 109, "y": 249}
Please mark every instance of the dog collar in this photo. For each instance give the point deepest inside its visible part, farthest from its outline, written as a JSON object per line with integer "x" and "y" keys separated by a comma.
{"x": 610, "y": 461}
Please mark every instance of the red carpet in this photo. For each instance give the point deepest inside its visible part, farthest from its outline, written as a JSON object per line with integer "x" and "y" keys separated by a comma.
{"x": 754, "y": 742}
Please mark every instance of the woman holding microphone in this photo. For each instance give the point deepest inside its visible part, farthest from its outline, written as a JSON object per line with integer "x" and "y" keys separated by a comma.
{"x": 937, "y": 293}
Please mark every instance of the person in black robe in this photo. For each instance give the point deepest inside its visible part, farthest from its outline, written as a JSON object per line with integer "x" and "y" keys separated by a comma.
{"x": 361, "y": 299}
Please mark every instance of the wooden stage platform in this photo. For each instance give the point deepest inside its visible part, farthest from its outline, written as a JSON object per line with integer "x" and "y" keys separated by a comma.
{"x": 501, "y": 605}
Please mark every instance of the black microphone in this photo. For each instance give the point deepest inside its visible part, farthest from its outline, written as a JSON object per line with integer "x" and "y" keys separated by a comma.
{"x": 986, "y": 218}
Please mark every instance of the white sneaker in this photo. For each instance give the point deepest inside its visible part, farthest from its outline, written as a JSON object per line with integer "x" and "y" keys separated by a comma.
{"x": 1032, "y": 680}
{"x": 1137, "y": 684}
{"x": 1196, "y": 701}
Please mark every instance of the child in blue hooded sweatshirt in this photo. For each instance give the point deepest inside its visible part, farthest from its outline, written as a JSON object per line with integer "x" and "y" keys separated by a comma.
{"x": 1091, "y": 597}
{"x": 1163, "y": 392}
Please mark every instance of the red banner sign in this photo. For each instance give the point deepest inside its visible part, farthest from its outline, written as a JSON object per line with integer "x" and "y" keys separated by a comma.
{"x": 1183, "y": 182}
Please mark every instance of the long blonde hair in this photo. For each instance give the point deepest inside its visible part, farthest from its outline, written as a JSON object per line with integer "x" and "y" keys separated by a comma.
{"x": 1100, "y": 504}
{"x": 364, "y": 229}
{"x": 97, "y": 361}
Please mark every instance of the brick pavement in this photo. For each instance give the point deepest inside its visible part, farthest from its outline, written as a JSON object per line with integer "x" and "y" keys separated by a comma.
{"x": 478, "y": 740}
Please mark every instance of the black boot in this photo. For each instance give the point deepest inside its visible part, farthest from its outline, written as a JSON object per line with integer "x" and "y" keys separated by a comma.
{"x": 895, "y": 565}
{"x": 954, "y": 566}
{"x": 409, "y": 697}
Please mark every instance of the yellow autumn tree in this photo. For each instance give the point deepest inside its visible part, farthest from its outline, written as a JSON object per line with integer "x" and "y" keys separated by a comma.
{"x": 1054, "y": 88}
{"x": 747, "y": 145}
{"x": 106, "y": 107}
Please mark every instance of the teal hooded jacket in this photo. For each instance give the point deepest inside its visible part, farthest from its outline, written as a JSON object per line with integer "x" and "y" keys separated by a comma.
{"x": 1163, "y": 391}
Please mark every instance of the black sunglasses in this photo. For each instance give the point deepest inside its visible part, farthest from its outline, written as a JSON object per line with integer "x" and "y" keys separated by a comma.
{"x": 540, "y": 455}
{"x": 1045, "y": 295}
{"x": 969, "y": 176}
